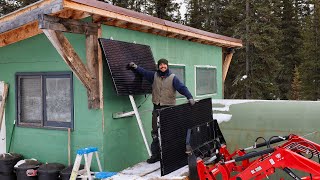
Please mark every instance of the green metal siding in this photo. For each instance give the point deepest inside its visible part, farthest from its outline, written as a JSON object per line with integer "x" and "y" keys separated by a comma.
{"x": 36, "y": 54}
{"x": 123, "y": 143}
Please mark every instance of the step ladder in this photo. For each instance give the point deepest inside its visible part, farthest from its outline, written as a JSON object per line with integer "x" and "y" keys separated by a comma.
{"x": 85, "y": 173}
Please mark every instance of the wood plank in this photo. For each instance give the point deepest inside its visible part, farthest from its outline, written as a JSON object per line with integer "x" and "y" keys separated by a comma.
{"x": 68, "y": 54}
{"x": 67, "y": 25}
{"x": 100, "y": 77}
{"x": 4, "y": 101}
{"x": 172, "y": 35}
{"x": 93, "y": 67}
{"x": 24, "y": 17}
{"x": 20, "y": 34}
{"x": 226, "y": 64}
{"x": 110, "y": 14}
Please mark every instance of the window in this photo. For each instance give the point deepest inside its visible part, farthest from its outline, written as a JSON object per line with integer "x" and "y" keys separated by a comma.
{"x": 179, "y": 71}
{"x": 206, "y": 80}
{"x": 45, "y": 99}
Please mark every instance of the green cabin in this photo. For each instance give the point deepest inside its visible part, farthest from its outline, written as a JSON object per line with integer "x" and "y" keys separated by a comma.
{"x": 61, "y": 96}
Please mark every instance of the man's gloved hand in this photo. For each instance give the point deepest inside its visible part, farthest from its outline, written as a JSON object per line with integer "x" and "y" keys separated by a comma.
{"x": 191, "y": 102}
{"x": 132, "y": 65}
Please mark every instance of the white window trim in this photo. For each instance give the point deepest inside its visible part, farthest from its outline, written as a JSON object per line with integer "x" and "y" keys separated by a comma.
{"x": 195, "y": 80}
{"x": 181, "y": 65}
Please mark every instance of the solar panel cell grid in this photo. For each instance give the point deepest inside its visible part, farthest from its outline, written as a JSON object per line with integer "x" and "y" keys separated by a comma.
{"x": 173, "y": 125}
{"x": 118, "y": 54}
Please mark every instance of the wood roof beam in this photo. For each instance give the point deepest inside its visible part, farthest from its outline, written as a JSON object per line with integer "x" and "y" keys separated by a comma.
{"x": 226, "y": 64}
{"x": 67, "y": 25}
{"x": 172, "y": 35}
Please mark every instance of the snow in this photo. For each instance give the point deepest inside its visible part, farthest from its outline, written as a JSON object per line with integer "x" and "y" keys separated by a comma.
{"x": 223, "y": 117}
{"x": 145, "y": 171}
{"x": 243, "y": 77}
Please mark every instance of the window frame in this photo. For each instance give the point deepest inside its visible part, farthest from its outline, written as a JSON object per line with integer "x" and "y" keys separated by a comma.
{"x": 195, "y": 80}
{"x": 44, "y": 124}
{"x": 184, "y": 67}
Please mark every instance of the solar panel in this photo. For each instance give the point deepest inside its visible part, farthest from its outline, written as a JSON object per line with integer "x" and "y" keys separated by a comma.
{"x": 174, "y": 123}
{"x": 118, "y": 54}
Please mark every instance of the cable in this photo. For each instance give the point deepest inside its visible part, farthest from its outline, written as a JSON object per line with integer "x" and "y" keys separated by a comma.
{"x": 255, "y": 142}
{"x": 268, "y": 144}
{"x": 146, "y": 97}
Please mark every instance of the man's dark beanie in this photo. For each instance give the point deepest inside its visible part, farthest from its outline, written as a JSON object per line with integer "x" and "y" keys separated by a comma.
{"x": 164, "y": 61}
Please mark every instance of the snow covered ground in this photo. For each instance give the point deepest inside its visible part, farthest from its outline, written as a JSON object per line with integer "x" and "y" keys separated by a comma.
{"x": 145, "y": 171}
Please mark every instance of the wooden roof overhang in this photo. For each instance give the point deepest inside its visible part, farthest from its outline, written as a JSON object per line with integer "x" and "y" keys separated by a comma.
{"x": 22, "y": 24}
{"x": 53, "y": 17}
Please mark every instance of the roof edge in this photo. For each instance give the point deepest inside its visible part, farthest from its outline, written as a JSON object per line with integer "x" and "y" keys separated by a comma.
{"x": 151, "y": 19}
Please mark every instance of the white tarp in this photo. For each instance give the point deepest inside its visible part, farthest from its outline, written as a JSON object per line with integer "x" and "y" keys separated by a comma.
{"x": 3, "y": 128}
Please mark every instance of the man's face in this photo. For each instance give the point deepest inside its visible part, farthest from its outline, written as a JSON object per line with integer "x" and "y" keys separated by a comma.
{"x": 163, "y": 67}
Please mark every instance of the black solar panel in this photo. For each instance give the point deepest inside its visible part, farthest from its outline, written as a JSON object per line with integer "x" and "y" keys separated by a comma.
{"x": 174, "y": 123}
{"x": 118, "y": 54}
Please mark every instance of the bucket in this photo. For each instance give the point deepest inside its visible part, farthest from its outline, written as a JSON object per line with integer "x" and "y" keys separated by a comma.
{"x": 27, "y": 170}
{"x": 50, "y": 171}
{"x": 7, "y": 162}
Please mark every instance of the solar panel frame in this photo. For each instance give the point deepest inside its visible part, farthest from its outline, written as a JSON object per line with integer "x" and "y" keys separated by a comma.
{"x": 174, "y": 123}
{"x": 118, "y": 55}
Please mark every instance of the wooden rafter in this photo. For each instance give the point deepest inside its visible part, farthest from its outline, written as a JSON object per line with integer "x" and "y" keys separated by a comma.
{"x": 67, "y": 25}
{"x": 226, "y": 64}
{"x": 4, "y": 100}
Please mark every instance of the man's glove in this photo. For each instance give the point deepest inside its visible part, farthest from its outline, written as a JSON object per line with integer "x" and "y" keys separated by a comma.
{"x": 191, "y": 102}
{"x": 132, "y": 65}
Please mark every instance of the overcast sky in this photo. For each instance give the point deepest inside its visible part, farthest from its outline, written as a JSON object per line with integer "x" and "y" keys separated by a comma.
{"x": 182, "y": 8}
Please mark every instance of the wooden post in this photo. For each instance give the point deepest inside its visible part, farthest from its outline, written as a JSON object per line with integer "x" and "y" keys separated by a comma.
{"x": 4, "y": 100}
{"x": 93, "y": 67}
{"x": 226, "y": 65}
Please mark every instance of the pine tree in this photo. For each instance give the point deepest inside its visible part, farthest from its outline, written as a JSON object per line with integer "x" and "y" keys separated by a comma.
{"x": 164, "y": 9}
{"x": 310, "y": 68}
{"x": 194, "y": 16}
{"x": 289, "y": 51}
{"x": 296, "y": 85}
{"x": 8, "y": 6}
{"x": 260, "y": 34}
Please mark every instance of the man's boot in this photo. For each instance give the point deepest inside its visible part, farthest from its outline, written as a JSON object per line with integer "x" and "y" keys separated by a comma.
{"x": 155, "y": 149}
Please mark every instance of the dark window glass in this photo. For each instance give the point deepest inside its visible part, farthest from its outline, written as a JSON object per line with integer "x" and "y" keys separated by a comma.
{"x": 179, "y": 71}
{"x": 206, "y": 80}
{"x": 58, "y": 99}
{"x": 45, "y": 99}
{"x": 30, "y": 100}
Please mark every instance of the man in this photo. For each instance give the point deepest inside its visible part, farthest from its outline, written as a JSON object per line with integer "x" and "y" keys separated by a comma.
{"x": 164, "y": 87}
